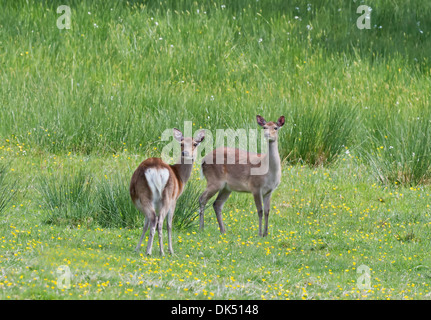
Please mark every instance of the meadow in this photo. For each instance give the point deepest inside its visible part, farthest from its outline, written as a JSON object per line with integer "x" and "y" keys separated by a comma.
{"x": 80, "y": 108}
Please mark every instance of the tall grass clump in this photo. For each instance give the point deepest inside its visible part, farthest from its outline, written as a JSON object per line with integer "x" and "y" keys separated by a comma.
{"x": 7, "y": 187}
{"x": 400, "y": 150}
{"x": 67, "y": 197}
{"x": 115, "y": 209}
{"x": 317, "y": 135}
{"x": 187, "y": 208}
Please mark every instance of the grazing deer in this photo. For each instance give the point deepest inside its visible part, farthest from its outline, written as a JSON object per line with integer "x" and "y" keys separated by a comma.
{"x": 238, "y": 176}
{"x": 156, "y": 186}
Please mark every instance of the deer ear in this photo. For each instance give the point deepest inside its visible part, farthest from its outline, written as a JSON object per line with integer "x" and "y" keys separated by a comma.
{"x": 200, "y": 136}
{"x": 280, "y": 121}
{"x": 260, "y": 120}
{"x": 178, "y": 135}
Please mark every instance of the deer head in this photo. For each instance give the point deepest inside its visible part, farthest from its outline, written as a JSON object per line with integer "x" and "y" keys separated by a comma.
{"x": 270, "y": 128}
{"x": 188, "y": 144}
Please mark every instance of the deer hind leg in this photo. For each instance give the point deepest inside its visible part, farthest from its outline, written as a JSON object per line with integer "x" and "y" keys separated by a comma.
{"x": 153, "y": 224}
{"x": 146, "y": 224}
{"x": 169, "y": 227}
{"x": 218, "y": 207}
{"x": 147, "y": 209}
{"x": 164, "y": 210}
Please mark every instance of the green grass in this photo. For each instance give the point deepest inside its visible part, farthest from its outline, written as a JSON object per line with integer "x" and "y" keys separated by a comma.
{"x": 7, "y": 187}
{"x": 81, "y": 108}
{"x": 324, "y": 224}
{"x": 66, "y": 197}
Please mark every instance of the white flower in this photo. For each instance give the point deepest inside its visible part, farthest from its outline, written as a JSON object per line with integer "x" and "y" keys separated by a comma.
{"x": 223, "y": 6}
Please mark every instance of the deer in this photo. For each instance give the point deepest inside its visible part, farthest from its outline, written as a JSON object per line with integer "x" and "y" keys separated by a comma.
{"x": 223, "y": 178}
{"x": 156, "y": 186}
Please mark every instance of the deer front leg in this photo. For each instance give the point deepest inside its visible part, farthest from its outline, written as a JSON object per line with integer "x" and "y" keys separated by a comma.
{"x": 209, "y": 192}
{"x": 258, "y": 201}
{"x": 218, "y": 207}
{"x": 266, "y": 206}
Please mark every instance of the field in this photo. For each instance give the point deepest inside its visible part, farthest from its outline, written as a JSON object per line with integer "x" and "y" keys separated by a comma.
{"x": 80, "y": 108}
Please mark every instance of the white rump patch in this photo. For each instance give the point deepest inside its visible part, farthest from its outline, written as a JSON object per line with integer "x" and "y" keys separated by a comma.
{"x": 157, "y": 179}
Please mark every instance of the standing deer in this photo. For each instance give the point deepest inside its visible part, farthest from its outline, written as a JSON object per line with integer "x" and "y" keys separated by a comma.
{"x": 238, "y": 176}
{"x": 156, "y": 186}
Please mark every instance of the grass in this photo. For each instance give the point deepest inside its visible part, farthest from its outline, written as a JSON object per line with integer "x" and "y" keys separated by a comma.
{"x": 401, "y": 151}
{"x": 114, "y": 207}
{"x": 66, "y": 197}
{"x": 81, "y": 108}
{"x": 74, "y": 199}
{"x": 7, "y": 187}
{"x": 104, "y": 77}
{"x": 324, "y": 224}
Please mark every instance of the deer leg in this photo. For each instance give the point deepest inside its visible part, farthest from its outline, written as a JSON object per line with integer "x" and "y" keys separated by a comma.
{"x": 163, "y": 212}
{"x": 266, "y": 206}
{"x": 209, "y": 192}
{"x": 169, "y": 227}
{"x": 160, "y": 232}
{"x": 258, "y": 201}
{"x": 146, "y": 224}
{"x": 218, "y": 207}
{"x": 153, "y": 223}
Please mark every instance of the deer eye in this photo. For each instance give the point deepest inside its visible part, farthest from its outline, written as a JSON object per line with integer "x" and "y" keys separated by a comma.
{"x": 265, "y": 127}
{"x": 195, "y": 144}
{"x": 275, "y": 128}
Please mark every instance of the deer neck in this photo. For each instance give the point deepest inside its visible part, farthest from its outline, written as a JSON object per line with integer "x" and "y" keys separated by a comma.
{"x": 182, "y": 170}
{"x": 273, "y": 158}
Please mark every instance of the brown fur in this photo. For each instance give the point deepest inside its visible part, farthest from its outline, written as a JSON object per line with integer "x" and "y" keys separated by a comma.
{"x": 224, "y": 178}
{"x": 143, "y": 198}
